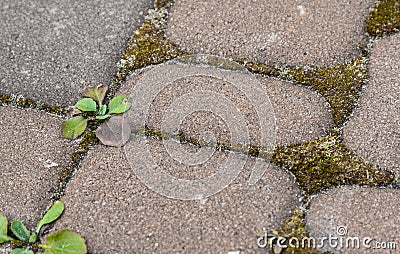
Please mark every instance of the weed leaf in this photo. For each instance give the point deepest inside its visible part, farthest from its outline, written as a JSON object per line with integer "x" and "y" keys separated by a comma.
{"x": 74, "y": 127}
{"x": 118, "y": 105}
{"x": 20, "y": 231}
{"x": 96, "y": 93}
{"x": 51, "y": 215}
{"x": 3, "y": 230}
{"x": 114, "y": 132}
{"x": 21, "y": 251}
{"x": 103, "y": 117}
{"x": 86, "y": 104}
{"x": 33, "y": 238}
{"x": 64, "y": 241}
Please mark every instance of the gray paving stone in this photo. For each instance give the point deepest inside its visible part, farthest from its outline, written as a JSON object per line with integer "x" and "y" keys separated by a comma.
{"x": 117, "y": 213}
{"x": 373, "y": 132}
{"x": 291, "y": 32}
{"x": 351, "y": 212}
{"x": 32, "y": 154}
{"x": 300, "y": 113}
{"x": 50, "y": 50}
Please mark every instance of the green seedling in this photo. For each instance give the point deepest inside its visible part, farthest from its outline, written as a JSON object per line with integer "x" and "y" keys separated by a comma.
{"x": 91, "y": 108}
{"x": 64, "y": 241}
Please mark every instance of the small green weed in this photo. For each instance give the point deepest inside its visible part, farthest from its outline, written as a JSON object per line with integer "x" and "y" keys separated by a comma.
{"x": 64, "y": 241}
{"x": 92, "y": 108}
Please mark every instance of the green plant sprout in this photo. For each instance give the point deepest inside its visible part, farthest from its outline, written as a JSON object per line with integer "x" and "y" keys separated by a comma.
{"x": 91, "y": 108}
{"x": 64, "y": 241}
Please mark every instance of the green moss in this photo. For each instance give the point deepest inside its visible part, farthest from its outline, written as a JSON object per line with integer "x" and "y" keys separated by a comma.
{"x": 23, "y": 102}
{"x": 383, "y": 18}
{"x": 148, "y": 45}
{"x": 339, "y": 84}
{"x": 89, "y": 139}
{"x": 294, "y": 226}
{"x": 162, "y": 3}
{"x": 264, "y": 69}
{"x": 317, "y": 165}
{"x": 326, "y": 162}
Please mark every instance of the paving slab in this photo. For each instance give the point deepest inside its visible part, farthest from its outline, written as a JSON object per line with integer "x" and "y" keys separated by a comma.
{"x": 108, "y": 204}
{"x": 300, "y": 113}
{"x": 373, "y": 133}
{"x": 294, "y": 32}
{"x": 32, "y": 154}
{"x": 50, "y": 50}
{"x": 368, "y": 216}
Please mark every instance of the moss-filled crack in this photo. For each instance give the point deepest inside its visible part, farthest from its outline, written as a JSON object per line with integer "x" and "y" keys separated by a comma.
{"x": 148, "y": 45}
{"x": 340, "y": 84}
{"x": 326, "y": 162}
{"x": 384, "y": 18}
{"x": 317, "y": 164}
{"x": 23, "y": 102}
{"x": 88, "y": 140}
{"x": 293, "y": 227}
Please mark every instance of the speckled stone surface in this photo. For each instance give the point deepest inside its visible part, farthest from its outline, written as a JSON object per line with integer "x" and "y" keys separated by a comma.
{"x": 300, "y": 113}
{"x": 32, "y": 154}
{"x": 115, "y": 212}
{"x": 373, "y": 132}
{"x": 49, "y": 51}
{"x": 291, "y": 32}
{"x": 356, "y": 212}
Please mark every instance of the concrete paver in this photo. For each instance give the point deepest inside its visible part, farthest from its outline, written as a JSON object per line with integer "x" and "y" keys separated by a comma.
{"x": 373, "y": 131}
{"x": 32, "y": 154}
{"x": 115, "y": 212}
{"x": 300, "y": 113}
{"x": 291, "y": 32}
{"x": 350, "y": 212}
{"x": 50, "y": 50}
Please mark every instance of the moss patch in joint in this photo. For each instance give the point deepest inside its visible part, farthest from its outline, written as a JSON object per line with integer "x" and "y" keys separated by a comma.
{"x": 89, "y": 139}
{"x": 23, "y": 102}
{"x": 148, "y": 45}
{"x": 326, "y": 162}
{"x": 295, "y": 227}
{"x": 340, "y": 84}
{"x": 384, "y": 18}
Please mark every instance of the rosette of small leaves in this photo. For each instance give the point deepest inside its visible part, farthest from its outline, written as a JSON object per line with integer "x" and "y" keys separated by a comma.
{"x": 64, "y": 241}
{"x": 92, "y": 108}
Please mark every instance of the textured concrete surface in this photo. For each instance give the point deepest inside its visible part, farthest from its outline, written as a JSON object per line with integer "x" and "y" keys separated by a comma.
{"x": 32, "y": 153}
{"x": 291, "y": 32}
{"x": 115, "y": 212}
{"x": 300, "y": 113}
{"x": 50, "y": 50}
{"x": 364, "y": 212}
{"x": 373, "y": 132}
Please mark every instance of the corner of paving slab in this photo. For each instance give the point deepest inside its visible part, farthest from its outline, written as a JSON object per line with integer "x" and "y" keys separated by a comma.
{"x": 33, "y": 154}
